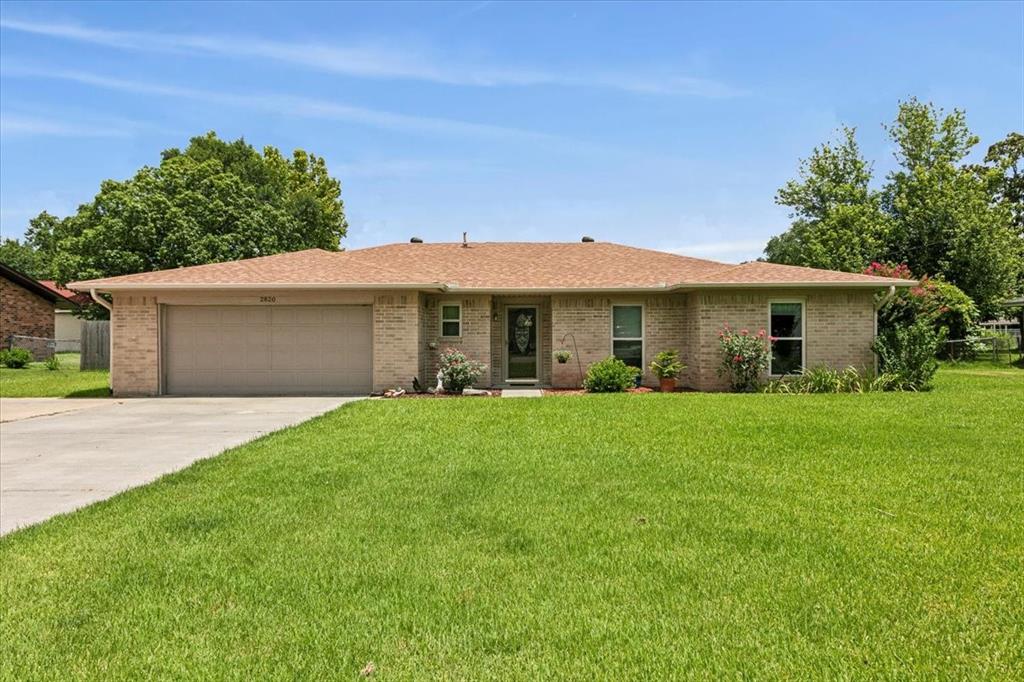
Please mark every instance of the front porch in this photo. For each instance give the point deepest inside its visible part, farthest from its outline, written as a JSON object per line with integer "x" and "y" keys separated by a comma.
{"x": 517, "y": 335}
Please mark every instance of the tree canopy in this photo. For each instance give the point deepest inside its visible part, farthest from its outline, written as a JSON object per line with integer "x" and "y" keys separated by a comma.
{"x": 937, "y": 214}
{"x": 215, "y": 201}
{"x": 837, "y": 220}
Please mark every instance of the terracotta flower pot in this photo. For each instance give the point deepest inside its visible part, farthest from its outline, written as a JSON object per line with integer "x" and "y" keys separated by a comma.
{"x": 668, "y": 384}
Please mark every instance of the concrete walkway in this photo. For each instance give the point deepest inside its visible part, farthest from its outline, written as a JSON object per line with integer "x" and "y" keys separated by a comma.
{"x": 55, "y": 458}
{"x": 521, "y": 393}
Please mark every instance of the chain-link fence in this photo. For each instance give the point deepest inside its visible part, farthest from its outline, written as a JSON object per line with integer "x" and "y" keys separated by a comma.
{"x": 992, "y": 348}
{"x": 42, "y": 347}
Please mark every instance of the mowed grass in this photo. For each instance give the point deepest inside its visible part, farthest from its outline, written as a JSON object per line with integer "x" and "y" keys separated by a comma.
{"x": 597, "y": 537}
{"x": 36, "y": 381}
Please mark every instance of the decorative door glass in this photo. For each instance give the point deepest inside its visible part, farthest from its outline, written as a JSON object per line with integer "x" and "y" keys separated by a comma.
{"x": 521, "y": 351}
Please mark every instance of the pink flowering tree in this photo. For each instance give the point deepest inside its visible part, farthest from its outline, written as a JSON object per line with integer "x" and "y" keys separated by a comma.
{"x": 745, "y": 357}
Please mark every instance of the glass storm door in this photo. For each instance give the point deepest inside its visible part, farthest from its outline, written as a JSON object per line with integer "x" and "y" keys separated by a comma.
{"x": 521, "y": 342}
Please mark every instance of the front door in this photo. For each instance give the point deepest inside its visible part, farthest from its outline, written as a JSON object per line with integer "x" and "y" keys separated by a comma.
{"x": 521, "y": 343}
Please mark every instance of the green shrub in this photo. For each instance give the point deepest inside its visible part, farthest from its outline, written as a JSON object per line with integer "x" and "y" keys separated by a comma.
{"x": 828, "y": 380}
{"x": 666, "y": 364}
{"x": 458, "y": 371}
{"x": 745, "y": 357}
{"x": 15, "y": 358}
{"x": 53, "y": 363}
{"x": 610, "y": 375}
{"x": 908, "y": 352}
{"x": 824, "y": 379}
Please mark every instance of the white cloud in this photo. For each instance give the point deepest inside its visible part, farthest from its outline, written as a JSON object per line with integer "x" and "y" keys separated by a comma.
{"x": 285, "y": 105}
{"x": 369, "y": 60}
{"x": 18, "y": 125}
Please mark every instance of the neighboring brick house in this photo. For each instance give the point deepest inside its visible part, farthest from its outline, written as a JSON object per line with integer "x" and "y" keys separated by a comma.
{"x": 26, "y": 310}
{"x": 371, "y": 319}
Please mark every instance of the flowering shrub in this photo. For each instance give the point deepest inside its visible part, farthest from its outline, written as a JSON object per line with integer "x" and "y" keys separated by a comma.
{"x": 458, "y": 371}
{"x": 942, "y": 304}
{"x": 610, "y": 375}
{"x": 745, "y": 357}
{"x": 900, "y": 271}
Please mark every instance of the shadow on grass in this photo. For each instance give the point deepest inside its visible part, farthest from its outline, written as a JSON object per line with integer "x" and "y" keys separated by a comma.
{"x": 103, "y": 392}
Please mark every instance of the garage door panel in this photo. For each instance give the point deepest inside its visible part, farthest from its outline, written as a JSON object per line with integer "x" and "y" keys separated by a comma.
{"x": 239, "y": 350}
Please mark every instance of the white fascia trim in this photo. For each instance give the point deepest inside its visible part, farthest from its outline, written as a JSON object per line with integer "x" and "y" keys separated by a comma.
{"x": 686, "y": 286}
{"x": 277, "y": 286}
{"x": 795, "y": 285}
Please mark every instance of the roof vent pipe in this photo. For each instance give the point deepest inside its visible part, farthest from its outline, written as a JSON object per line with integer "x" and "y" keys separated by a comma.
{"x": 415, "y": 240}
{"x": 586, "y": 239}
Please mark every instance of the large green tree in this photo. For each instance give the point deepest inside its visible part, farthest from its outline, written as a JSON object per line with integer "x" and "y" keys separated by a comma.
{"x": 34, "y": 255}
{"x": 22, "y": 257}
{"x": 1004, "y": 171}
{"x": 214, "y": 201}
{"x": 935, "y": 213}
{"x": 837, "y": 220}
{"x": 945, "y": 220}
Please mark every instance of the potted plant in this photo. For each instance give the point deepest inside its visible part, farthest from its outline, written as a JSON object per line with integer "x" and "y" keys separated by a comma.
{"x": 666, "y": 366}
{"x": 562, "y": 356}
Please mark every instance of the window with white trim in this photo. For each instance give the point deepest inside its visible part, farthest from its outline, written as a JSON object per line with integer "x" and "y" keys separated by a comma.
{"x": 628, "y": 334}
{"x": 451, "y": 319}
{"x": 787, "y": 329}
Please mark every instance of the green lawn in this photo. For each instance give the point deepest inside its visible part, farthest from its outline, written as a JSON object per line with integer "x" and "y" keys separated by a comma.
{"x": 597, "y": 537}
{"x": 36, "y": 381}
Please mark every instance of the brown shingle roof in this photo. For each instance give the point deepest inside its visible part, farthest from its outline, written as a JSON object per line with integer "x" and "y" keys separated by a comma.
{"x": 503, "y": 266}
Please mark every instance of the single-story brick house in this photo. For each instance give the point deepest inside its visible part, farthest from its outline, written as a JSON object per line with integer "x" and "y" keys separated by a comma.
{"x": 26, "y": 313}
{"x": 371, "y": 319}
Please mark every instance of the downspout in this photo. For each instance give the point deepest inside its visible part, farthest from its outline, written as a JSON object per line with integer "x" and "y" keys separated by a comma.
{"x": 878, "y": 306}
{"x": 110, "y": 352}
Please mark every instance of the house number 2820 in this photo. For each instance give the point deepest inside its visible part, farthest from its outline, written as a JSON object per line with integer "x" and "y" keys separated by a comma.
{"x": 268, "y": 299}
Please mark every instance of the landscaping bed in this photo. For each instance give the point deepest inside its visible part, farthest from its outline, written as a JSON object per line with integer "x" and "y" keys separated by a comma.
{"x": 640, "y": 390}
{"x": 493, "y": 393}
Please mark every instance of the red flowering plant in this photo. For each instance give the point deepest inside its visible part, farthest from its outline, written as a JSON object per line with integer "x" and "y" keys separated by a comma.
{"x": 745, "y": 357}
{"x": 948, "y": 309}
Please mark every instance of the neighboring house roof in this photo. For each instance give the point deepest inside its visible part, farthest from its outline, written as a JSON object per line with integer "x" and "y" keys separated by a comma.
{"x": 73, "y": 297}
{"x": 488, "y": 266}
{"x": 1014, "y": 301}
{"x": 26, "y": 282}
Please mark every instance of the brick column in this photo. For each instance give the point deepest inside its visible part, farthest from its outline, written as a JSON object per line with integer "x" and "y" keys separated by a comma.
{"x": 135, "y": 345}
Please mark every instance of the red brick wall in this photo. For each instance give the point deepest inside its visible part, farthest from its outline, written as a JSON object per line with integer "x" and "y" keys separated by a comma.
{"x": 23, "y": 312}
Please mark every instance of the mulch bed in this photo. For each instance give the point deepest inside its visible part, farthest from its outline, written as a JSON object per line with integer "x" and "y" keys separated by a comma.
{"x": 580, "y": 391}
{"x": 495, "y": 393}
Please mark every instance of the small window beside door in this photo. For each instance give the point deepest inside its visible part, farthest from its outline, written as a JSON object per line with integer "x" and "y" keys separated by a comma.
{"x": 451, "y": 319}
{"x": 628, "y": 334}
{"x": 787, "y": 328}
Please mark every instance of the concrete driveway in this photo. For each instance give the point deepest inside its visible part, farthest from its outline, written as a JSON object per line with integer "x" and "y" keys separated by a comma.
{"x": 57, "y": 455}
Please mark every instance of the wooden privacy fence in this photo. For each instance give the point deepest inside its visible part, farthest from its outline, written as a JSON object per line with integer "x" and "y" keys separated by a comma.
{"x": 95, "y": 345}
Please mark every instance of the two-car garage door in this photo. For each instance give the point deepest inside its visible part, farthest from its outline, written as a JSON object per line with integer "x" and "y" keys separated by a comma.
{"x": 267, "y": 350}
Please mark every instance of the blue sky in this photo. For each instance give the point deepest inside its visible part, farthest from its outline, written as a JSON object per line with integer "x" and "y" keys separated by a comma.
{"x": 661, "y": 125}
